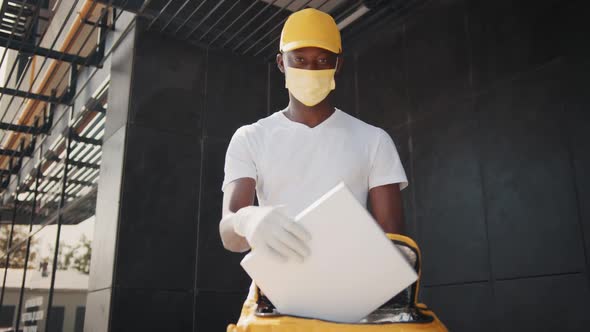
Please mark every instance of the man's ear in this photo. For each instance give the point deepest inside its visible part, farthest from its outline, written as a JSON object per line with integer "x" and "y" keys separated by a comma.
{"x": 340, "y": 62}
{"x": 280, "y": 62}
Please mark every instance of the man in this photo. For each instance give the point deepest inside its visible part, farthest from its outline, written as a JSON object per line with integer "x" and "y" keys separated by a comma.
{"x": 294, "y": 156}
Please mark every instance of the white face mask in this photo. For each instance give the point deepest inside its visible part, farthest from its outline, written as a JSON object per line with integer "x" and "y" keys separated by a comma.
{"x": 310, "y": 87}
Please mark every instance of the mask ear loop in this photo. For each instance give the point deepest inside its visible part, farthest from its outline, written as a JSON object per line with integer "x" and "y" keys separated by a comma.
{"x": 333, "y": 82}
{"x": 285, "y": 66}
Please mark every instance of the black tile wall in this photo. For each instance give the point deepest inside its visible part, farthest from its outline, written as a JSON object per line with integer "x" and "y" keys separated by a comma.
{"x": 278, "y": 95}
{"x": 215, "y": 310}
{"x": 565, "y": 28}
{"x": 217, "y": 268}
{"x": 158, "y": 219}
{"x": 381, "y": 74}
{"x": 510, "y": 37}
{"x": 577, "y": 128}
{"x": 401, "y": 138}
{"x": 467, "y": 307}
{"x": 236, "y": 92}
{"x": 497, "y": 151}
{"x": 553, "y": 303}
{"x": 573, "y": 28}
{"x": 530, "y": 194}
{"x": 437, "y": 56}
{"x": 449, "y": 197}
{"x": 167, "y": 92}
{"x": 151, "y": 310}
{"x": 345, "y": 96}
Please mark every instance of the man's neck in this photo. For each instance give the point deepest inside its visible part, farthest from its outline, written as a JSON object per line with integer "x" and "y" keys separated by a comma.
{"x": 310, "y": 116}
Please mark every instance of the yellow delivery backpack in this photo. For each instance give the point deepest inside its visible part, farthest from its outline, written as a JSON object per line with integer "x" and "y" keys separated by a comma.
{"x": 402, "y": 313}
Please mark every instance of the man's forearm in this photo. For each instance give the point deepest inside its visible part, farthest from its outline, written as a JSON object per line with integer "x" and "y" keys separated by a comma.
{"x": 393, "y": 225}
{"x": 238, "y": 194}
{"x": 231, "y": 240}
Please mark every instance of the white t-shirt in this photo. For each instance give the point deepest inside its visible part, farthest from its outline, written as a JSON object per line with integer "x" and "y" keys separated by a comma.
{"x": 294, "y": 164}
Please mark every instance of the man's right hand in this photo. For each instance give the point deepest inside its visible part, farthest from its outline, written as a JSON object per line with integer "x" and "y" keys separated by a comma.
{"x": 267, "y": 227}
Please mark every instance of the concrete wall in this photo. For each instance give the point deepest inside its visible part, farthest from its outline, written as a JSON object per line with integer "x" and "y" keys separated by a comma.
{"x": 69, "y": 300}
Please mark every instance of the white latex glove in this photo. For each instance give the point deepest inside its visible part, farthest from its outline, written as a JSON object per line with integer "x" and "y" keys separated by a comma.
{"x": 267, "y": 227}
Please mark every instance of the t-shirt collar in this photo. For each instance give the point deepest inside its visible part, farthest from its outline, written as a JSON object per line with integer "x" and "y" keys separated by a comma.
{"x": 285, "y": 119}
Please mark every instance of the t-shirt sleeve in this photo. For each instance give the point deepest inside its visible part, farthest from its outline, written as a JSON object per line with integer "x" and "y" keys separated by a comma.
{"x": 386, "y": 167}
{"x": 239, "y": 158}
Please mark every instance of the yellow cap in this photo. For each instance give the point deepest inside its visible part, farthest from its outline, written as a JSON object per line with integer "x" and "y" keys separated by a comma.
{"x": 310, "y": 27}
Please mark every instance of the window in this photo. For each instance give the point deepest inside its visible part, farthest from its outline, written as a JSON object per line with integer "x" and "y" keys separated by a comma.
{"x": 56, "y": 320}
{"x": 79, "y": 323}
{"x": 6, "y": 315}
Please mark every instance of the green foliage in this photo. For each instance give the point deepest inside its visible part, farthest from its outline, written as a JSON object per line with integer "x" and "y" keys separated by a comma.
{"x": 18, "y": 255}
{"x": 76, "y": 256}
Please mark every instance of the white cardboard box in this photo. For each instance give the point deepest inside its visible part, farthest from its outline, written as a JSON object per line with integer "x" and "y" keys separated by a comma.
{"x": 353, "y": 268}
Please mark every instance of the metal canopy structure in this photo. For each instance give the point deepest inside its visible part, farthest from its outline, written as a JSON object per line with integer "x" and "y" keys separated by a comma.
{"x": 51, "y": 152}
{"x": 17, "y": 19}
{"x": 79, "y": 149}
{"x": 22, "y": 33}
{"x": 19, "y": 31}
{"x": 51, "y": 147}
{"x": 253, "y": 27}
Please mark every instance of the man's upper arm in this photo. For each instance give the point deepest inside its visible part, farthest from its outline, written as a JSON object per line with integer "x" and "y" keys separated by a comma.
{"x": 385, "y": 204}
{"x": 386, "y": 166}
{"x": 239, "y": 186}
{"x": 240, "y": 161}
{"x": 386, "y": 180}
{"x": 238, "y": 194}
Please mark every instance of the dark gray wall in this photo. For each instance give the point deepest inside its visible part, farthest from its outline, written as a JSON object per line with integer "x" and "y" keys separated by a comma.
{"x": 144, "y": 249}
{"x": 158, "y": 263}
{"x": 489, "y": 104}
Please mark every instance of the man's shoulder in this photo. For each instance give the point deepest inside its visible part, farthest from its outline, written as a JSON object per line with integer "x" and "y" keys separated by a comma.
{"x": 267, "y": 121}
{"x": 255, "y": 128}
{"x": 360, "y": 126}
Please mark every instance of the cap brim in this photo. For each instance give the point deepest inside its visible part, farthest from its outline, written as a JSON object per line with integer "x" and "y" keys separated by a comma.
{"x": 309, "y": 43}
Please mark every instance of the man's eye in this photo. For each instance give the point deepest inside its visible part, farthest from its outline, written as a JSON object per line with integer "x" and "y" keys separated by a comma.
{"x": 323, "y": 61}
{"x": 299, "y": 59}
